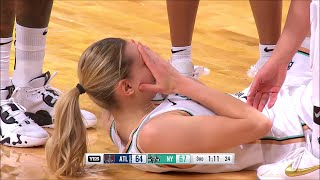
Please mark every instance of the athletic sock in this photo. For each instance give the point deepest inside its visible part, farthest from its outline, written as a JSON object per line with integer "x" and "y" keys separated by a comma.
{"x": 5, "y": 47}
{"x": 315, "y": 142}
{"x": 181, "y": 60}
{"x": 30, "y": 50}
{"x": 265, "y": 53}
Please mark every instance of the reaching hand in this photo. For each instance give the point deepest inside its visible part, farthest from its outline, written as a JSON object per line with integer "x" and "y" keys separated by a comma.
{"x": 165, "y": 75}
{"x": 267, "y": 84}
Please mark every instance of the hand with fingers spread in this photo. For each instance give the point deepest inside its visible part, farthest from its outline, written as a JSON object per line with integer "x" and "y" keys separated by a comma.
{"x": 267, "y": 85}
{"x": 165, "y": 75}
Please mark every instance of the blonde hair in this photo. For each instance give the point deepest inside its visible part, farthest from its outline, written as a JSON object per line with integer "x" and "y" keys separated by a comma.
{"x": 101, "y": 67}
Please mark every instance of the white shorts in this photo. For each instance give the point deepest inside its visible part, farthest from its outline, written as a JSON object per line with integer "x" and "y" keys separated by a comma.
{"x": 292, "y": 112}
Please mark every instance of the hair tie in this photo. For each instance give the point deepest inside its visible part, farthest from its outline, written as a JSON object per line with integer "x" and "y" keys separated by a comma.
{"x": 80, "y": 88}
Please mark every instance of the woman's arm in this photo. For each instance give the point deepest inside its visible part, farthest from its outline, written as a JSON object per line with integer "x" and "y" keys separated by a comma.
{"x": 169, "y": 81}
{"x": 271, "y": 77}
{"x": 295, "y": 30}
{"x": 174, "y": 133}
{"x": 220, "y": 103}
{"x": 235, "y": 124}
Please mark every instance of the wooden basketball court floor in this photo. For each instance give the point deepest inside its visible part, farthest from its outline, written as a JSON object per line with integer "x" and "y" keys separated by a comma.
{"x": 225, "y": 40}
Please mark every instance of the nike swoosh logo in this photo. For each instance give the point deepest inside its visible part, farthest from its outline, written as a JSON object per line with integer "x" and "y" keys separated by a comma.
{"x": 178, "y": 51}
{"x": 5, "y": 43}
{"x": 45, "y": 32}
{"x": 267, "y": 50}
{"x": 317, "y": 115}
{"x": 299, "y": 172}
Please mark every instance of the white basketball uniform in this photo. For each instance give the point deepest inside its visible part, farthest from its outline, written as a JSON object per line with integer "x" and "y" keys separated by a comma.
{"x": 314, "y": 50}
{"x": 288, "y": 131}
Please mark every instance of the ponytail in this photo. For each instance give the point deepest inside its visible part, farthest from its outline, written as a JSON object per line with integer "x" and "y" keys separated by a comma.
{"x": 67, "y": 146}
{"x": 101, "y": 66}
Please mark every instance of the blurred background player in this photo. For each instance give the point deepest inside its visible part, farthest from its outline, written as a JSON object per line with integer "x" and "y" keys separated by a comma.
{"x": 182, "y": 16}
{"x": 29, "y": 94}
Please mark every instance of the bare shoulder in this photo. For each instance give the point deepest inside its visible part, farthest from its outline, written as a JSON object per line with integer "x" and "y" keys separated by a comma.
{"x": 157, "y": 135}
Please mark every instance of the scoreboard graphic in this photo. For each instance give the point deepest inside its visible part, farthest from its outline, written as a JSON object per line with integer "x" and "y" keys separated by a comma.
{"x": 203, "y": 158}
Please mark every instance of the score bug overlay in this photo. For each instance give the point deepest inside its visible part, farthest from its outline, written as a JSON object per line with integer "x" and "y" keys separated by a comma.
{"x": 160, "y": 158}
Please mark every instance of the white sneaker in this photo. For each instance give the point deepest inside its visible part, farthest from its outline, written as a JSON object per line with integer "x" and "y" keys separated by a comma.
{"x": 184, "y": 66}
{"x": 6, "y": 92}
{"x": 200, "y": 71}
{"x": 299, "y": 164}
{"x": 187, "y": 68}
{"x": 17, "y": 129}
{"x": 39, "y": 98}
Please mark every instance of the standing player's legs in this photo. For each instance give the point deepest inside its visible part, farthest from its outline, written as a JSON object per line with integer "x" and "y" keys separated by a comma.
{"x": 33, "y": 90}
{"x": 16, "y": 129}
{"x": 267, "y": 15}
{"x": 7, "y": 9}
{"x": 182, "y": 16}
{"x": 31, "y": 30}
{"x": 32, "y": 19}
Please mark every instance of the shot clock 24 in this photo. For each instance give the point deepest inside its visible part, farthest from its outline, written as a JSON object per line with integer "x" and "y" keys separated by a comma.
{"x": 215, "y": 158}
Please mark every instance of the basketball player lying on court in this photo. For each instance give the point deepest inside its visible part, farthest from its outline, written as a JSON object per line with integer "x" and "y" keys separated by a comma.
{"x": 123, "y": 77}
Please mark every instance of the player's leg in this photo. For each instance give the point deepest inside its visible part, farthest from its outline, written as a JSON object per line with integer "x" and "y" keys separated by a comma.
{"x": 182, "y": 16}
{"x": 7, "y": 10}
{"x": 267, "y": 15}
{"x": 33, "y": 90}
{"x": 31, "y": 31}
{"x": 16, "y": 128}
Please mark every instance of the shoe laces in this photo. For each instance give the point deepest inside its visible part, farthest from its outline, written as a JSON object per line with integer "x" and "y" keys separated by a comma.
{"x": 200, "y": 71}
{"x": 23, "y": 119}
{"x": 295, "y": 157}
{"x": 44, "y": 89}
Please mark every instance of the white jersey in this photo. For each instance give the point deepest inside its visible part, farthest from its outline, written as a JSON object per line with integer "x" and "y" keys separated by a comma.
{"x": 286, "y": 134}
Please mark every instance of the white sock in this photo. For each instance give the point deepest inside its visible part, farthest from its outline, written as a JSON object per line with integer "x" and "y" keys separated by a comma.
{"x": 266, "y": 50}
{"x": 5, "y": 48}
{"x": 183, "y": 52}
{"x": 316, "y": 133}
{"x": 181, "y": 60}
{"x": 30, "y": 50}
{"x": 265, "y": 54}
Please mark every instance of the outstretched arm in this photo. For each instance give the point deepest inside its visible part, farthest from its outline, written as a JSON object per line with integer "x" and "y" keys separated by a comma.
{"x": 270, "y": 78}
